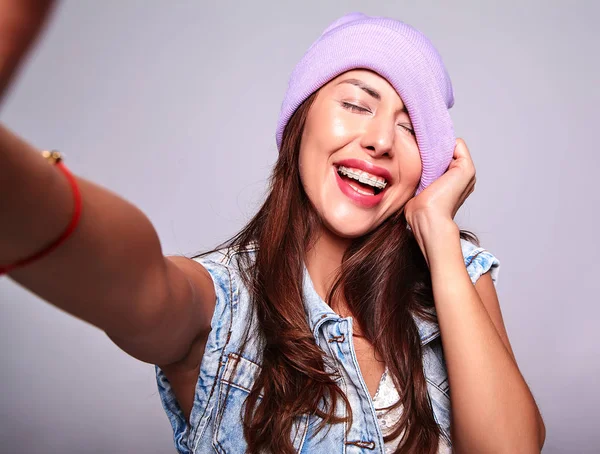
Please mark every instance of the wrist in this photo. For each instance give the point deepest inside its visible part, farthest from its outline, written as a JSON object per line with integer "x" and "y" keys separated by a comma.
{"x": 429, "y": 227}
{"x": 434, "y": 232}
{"x": 36, "y": 201}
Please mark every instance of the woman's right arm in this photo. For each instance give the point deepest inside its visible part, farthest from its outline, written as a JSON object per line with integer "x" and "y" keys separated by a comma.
{"x": 111, "y": 271}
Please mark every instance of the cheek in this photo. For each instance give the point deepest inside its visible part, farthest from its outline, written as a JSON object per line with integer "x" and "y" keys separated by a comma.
{"x": 339, "y": 128}
{"x": 410, "y": 166}
{"x": 323, "y": 135}
{"x": 302, "y": 166}
{"x": 327, "y": 127}
{"x": 307, "y": 163}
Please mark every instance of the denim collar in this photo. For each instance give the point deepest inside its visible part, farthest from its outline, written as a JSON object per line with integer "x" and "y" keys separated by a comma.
{"x": 318, "y": 312}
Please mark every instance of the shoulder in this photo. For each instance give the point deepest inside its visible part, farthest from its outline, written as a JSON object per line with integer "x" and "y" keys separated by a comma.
{"x": 479, "y": 261}
{"x": 229, "y": 257}
{"x": 225, "y": 267}
{"x": 226, "y": 263}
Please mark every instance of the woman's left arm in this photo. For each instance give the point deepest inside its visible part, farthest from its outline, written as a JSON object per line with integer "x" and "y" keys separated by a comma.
{"x": 493, "y": 409}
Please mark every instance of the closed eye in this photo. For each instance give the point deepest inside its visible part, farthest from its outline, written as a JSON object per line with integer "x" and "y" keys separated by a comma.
{"x": 411, "y": 131}
{"x": 354, "y": 108}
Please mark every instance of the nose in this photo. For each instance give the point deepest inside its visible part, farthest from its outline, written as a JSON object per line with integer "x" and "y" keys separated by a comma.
{"x": 378, "y": 138}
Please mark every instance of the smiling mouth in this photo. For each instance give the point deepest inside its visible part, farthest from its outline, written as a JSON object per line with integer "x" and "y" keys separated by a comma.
{"x": 361, "y": 181}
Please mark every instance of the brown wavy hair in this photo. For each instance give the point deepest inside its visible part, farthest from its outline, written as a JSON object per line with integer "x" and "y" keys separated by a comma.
{"x": 385, "y": 281}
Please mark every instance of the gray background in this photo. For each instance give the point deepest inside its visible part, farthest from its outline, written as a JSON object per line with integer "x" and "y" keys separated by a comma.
{"x": 173, "y": 105}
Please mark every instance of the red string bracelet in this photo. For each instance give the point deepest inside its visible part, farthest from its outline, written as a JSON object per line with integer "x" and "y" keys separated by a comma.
{"x": 54, "y": 157}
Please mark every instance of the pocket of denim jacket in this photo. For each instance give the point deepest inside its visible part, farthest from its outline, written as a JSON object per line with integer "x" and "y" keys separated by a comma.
{"x": 240, "y": 372}
{"x": 236, "y": 383}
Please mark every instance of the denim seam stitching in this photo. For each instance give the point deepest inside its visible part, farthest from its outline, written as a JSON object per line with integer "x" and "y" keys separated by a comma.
{"x": 442, "y": 430}
{"x": 365, "y": 390}
{"x": 197, "y": 435}
{"x": 219, "y": 415}
{"x": 231, "y": 381}
{"x": 219, "y": 418}
{"x": 473, "y": 255}
{"x": 438, "y": 388}
{"x": 345, "y": 419}
{"x": 301, "y": 445}
{"x": 431, "y": 338}
{"x": 226, "y": 263}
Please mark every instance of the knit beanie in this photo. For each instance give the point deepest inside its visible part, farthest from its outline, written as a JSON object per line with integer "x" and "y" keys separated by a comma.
{"x": 405, "y": 58}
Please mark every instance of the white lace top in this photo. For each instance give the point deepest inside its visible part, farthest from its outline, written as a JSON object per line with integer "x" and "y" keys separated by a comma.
{"x": 385, "y": 396}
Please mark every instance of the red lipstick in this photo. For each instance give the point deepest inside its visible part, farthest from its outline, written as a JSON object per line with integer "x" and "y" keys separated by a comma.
{"x": 363, "y": 200}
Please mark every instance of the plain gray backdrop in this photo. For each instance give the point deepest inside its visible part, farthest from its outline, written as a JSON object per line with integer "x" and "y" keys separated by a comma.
{"x": 173, "y": 105}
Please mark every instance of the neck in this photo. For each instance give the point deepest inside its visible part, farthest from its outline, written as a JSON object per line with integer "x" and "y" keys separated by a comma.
{"x": 323, "y": 260}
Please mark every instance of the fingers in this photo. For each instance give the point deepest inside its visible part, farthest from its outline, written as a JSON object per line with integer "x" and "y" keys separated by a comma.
{"x": 461, "y": 150}
{"x": 462, "y": 153}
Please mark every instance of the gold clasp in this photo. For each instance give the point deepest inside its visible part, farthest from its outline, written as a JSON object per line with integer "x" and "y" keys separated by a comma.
{"x": 53, "y": 156}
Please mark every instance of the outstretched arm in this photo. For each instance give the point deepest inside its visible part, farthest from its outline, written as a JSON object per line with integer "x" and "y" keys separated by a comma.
{"x": 111, "y": 271}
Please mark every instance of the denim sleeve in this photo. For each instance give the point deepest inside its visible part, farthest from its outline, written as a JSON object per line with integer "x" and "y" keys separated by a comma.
{"x": 479, "y": 261}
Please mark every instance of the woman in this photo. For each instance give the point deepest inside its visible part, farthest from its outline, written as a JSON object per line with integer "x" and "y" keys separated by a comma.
{"x": 339, "y": 318}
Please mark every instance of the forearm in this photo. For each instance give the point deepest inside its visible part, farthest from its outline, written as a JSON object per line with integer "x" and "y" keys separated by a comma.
{"x": 110, "y": 272}
{"x": 492, "y": 407}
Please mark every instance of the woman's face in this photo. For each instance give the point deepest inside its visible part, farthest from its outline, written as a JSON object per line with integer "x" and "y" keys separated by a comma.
{"x": 359, "y": 160}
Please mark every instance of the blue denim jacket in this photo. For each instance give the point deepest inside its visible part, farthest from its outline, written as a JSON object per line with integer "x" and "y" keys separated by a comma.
{"x": 215, "y": 420}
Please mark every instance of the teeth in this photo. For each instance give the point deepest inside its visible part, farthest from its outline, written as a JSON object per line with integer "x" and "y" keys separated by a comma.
{"x": 363, "y": 177}
{"x": 360, "y": 191}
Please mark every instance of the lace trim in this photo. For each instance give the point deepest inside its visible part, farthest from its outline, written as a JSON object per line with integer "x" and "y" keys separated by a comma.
{"x": 385, "y": 396}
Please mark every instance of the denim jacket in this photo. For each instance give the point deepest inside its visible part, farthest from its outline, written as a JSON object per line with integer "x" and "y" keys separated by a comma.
{"x": 215, "y": 420}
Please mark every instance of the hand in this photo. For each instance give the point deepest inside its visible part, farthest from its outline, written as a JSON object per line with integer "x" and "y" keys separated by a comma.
{"x": 20, "y": 23}
{"x": 442, "y": 198}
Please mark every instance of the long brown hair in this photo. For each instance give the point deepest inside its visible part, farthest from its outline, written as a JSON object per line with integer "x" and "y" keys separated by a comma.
{"x": 384, "y": 280}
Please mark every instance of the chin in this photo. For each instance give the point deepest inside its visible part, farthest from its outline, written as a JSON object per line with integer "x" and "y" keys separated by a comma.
{"x": 349, "y": 229}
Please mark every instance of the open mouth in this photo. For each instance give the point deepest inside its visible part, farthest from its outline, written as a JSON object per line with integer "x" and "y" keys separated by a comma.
{"x": 362, "y": 182}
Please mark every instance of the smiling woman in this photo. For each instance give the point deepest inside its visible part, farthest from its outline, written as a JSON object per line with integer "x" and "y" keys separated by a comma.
{"x": 325, "y": 301}
{"x": 371, "y": 139}
{"x": 341, "y": 316}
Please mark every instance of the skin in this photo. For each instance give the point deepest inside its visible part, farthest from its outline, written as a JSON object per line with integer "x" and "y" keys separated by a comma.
{"x": 344, "y": 121}
{"x": 165, "y": 304}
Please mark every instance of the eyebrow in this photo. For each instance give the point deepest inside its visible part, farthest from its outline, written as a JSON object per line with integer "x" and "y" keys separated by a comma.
{"x": 368, "y": 89}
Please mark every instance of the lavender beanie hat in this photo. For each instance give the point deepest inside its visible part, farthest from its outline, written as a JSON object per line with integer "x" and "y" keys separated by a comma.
{"x": 405, "y": 58}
